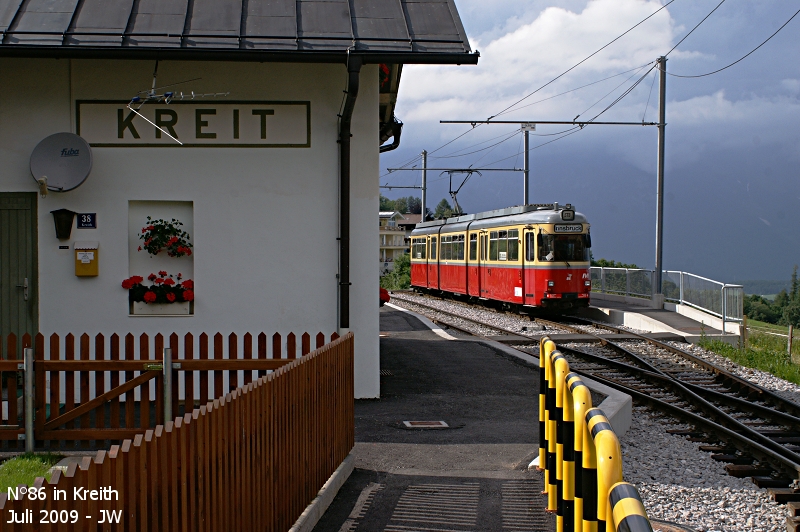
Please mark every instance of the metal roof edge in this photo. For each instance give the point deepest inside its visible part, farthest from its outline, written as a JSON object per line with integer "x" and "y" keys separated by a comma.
{"x": 234, "y": 54}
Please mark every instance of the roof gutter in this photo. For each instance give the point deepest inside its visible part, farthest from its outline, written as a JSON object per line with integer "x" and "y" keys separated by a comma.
{"x": 354, "y": 63}
{"x": 206, "y": 54}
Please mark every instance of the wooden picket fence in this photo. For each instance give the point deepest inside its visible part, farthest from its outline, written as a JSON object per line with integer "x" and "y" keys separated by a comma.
{"x": 92, "y": 392}
{"x": 251, "y": 459}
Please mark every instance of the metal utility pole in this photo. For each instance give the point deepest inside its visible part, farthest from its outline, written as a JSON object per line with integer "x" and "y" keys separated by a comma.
{"x": 424, "y": 183}
{"x": 526, "y": 163}
{"x": 662, "y": 125}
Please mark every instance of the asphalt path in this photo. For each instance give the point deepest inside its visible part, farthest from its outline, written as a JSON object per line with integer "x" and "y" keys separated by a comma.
{"x": 470, "y": 476}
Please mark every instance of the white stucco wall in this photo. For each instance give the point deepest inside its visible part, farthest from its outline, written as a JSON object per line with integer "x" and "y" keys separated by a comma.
{"x": 264, "y": 219}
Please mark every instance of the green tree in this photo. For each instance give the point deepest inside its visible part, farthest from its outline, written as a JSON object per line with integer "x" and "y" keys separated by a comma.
{"x": 791, "y": 315}
{"x": 781, "y": 300}
{"x": 385, "y": 203}
{"x": 401, "y": 205}
{"x": 795, "y": 293}
{"x": 414, "y": 205}
{"x": 443, "y": 209}
{"x": 613, "y": 264}
{"x": 400, "y": 276}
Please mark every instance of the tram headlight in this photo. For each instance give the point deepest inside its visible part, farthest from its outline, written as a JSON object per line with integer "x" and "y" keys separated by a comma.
{"x": 551, "y": 284}
{"x": 587, "y": 283}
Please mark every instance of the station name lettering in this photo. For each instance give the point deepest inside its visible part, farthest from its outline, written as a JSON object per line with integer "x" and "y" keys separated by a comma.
{"x": 167, "y": 119}
{"x": 249, "y": 124}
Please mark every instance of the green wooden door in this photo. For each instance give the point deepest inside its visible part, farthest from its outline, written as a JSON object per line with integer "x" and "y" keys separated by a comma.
{"x": 19, "y": 309}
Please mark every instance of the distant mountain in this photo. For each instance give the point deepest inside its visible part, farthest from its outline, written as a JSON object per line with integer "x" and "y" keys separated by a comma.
{"x": 764, "y": 288}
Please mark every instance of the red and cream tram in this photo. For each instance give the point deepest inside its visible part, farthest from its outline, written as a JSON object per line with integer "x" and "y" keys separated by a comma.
{"x": 531, "y": 255}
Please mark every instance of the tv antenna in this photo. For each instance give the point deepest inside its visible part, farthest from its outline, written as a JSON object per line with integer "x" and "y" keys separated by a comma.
{"x": 166, "y": 97}
{"x": 454, "y": 193}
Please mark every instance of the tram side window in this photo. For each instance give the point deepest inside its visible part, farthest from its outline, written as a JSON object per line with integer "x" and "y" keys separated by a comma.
{"x": 513, "y": 244}
{"x": 433, "y": 248}
{"x": 473, "y": 247}
{"x": 502, "y": 246}
{"x": 493, "y": 245}
{"x": 460, "y": 247}
{"x": 419, "y": 245}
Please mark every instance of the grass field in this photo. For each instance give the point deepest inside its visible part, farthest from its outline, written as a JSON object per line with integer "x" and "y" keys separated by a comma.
{"x": 765, "y": 352}
{"x": 24, "y": 469}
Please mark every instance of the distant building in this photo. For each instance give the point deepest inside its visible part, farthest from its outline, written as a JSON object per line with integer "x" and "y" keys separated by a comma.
{"x": 408, "y": 223}
{"x": 391, "y": 235}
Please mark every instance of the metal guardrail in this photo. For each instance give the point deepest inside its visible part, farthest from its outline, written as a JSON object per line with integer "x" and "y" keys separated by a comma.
{"x": 725, "y": 301}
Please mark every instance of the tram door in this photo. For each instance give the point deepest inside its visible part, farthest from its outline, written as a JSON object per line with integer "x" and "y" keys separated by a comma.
{"x": 433, "y": 265}
{"x": 484, "y": 253}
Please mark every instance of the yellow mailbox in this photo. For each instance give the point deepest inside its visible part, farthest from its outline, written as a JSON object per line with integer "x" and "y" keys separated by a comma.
{"x": 86, "y": 259}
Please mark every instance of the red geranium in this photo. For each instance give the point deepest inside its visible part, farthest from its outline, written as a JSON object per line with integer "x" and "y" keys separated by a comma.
{"x": 151, "y": 277}
{"x": 188, "y": 295}
{"x": 127, "y": 284}
{"x": 188, "y": 284}
{"x": 137, "y": 279}
{"x": 171, "y": 296}
{"x": 159, "y": 280}
{"x": 163, "y": 235}
{"x": 169, "y": 281}
{"x": 162, "y": 273}
{"x": 149, "y": 297}
{"x": 164, "y": 289}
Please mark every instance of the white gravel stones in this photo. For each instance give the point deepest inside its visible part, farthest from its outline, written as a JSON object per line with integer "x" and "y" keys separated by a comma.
{"x": 769, "y": 382}
{"x": 679, "y": 483}
{"x": 491, "y": 317}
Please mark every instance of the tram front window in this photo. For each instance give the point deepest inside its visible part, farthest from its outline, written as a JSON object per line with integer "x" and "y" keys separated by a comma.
{"x": 569, "y": 248}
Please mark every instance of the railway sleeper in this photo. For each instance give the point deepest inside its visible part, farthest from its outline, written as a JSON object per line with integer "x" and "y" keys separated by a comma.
{"x": 747, "y": 470}
{"x": 733, "y": 459}
{"x": 772, "y": 482}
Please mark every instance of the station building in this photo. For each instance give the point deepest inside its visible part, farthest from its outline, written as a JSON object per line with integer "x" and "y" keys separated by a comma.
{"x": 267, "y": 154}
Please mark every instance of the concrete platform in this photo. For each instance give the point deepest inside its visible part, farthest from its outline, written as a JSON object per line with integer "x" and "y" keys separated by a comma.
{"x": 656, "y": 320}
{"x": 473, "y": 475}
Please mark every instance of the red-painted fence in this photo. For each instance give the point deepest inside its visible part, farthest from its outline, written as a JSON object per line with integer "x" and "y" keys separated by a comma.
{"x": 249, "y": 460}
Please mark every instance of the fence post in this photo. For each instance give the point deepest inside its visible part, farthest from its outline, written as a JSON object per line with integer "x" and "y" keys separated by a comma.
{"x": 744, "y": 331}
{"x": 603, "y": 279}
{"x": 167, "y": 384}
{"x": 680, "y": 275}
{"x": 789, "y": 344}
{"x": 28, "y": 365}
{"x": 627, "y": 282}
{"x": 724, "y": 309}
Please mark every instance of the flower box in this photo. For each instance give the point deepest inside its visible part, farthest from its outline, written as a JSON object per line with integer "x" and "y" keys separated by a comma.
{"x": 181, "y": 308}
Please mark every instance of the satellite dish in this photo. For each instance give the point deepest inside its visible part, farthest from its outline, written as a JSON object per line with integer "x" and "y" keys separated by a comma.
{"x": 65, "y": 159}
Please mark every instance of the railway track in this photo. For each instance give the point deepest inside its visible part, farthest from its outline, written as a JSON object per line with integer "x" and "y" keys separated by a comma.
{"x": 754, "y": 431}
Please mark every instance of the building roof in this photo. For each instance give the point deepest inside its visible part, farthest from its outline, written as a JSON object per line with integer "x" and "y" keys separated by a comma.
{"x": 389, "y": 214}
{"x": 381, "y": 31}
{"x": 410, "y": 219}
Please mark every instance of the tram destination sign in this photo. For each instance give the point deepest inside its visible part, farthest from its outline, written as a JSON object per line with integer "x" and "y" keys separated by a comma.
{"x": 568, "y": 228}
{"x": 208, "y": 124}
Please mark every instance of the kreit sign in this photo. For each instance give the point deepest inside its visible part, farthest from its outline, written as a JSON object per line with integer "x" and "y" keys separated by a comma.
{"x": 229, "y": 124}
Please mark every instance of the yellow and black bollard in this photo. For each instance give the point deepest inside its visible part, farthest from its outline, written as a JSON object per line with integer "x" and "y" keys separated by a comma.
{"x": 589, "y": 471}
{"x": 560, "y": 369}
{"x": 542, "y": 406}
{"x": 627, "y": 509}
{"x": 577, "y": 400}
{"x": 550, "y": 415}
{"x": 609, "y": 465}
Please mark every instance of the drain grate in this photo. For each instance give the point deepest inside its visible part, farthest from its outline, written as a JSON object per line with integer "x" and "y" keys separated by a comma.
{"x": 426, "y": 424}
{"x": 386, "y": 373}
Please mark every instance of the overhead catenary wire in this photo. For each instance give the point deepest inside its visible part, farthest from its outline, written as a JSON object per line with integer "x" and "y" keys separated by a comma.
{"x": 741, "y": 58}
{"x": 692, "y": 30}
{"x": 585, "y": 59}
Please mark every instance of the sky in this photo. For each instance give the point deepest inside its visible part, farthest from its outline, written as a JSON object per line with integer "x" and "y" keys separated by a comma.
{"x": 732, "y": 165}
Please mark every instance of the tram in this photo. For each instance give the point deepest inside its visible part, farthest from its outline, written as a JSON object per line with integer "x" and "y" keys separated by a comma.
{"x": 534, "y": 256}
